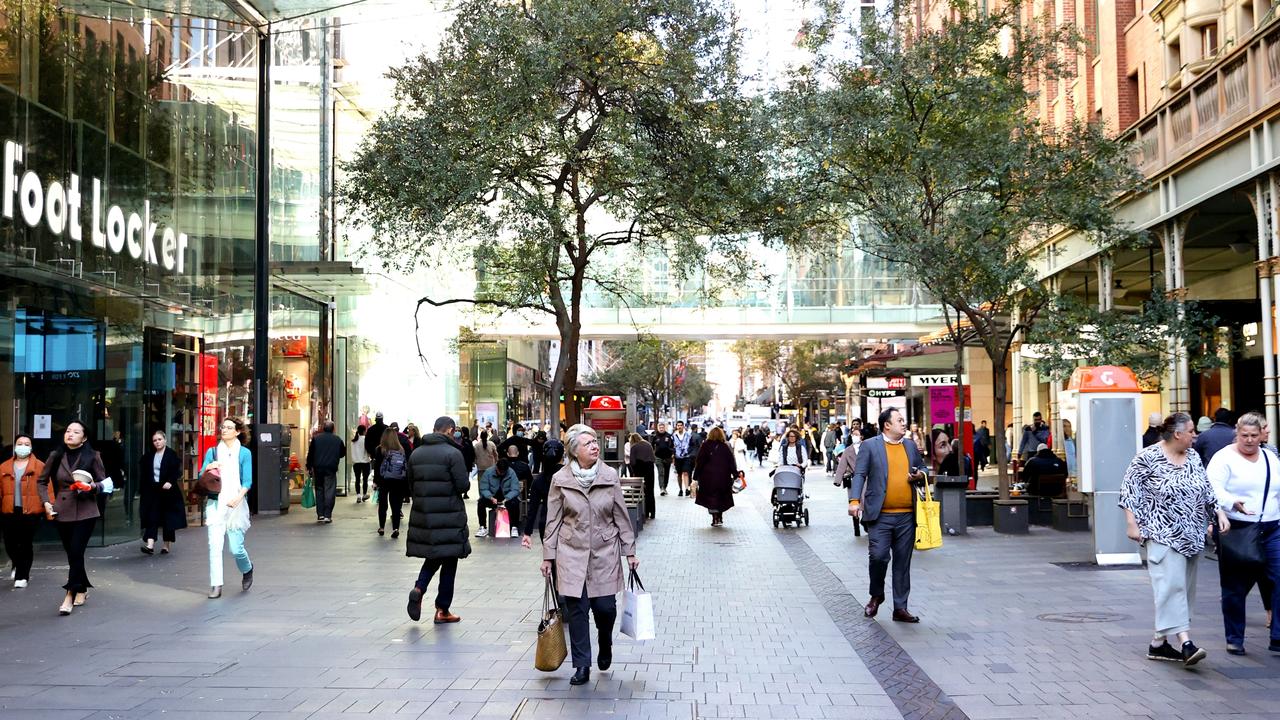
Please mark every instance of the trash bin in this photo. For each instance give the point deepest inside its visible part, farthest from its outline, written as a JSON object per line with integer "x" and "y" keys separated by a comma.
{"x": 270, "y": 472}
{"x": 1070, "y": 515}
{"x": 952, "y": 493}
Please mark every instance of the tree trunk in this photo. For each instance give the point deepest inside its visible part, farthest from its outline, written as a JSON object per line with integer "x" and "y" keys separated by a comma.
{"x": 1000, "y": 390}
{"x": 959, "y": 427}
{"x": 558, "y": 380}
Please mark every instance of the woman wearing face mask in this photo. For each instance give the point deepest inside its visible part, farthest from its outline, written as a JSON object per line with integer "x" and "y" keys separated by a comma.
{"x": 69, "y": 486}
{"x": 160, "y": 501}
{"x": 226, "y": 514}
{"x": 844, "y": 469}
{"x": 20, "y": 507}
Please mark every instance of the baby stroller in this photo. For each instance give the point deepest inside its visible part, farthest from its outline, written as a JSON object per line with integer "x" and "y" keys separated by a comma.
{"x": 788, "y": 496}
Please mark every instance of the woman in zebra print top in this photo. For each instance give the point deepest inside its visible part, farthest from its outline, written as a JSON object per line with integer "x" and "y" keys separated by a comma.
{"x": 1169, "y": 504}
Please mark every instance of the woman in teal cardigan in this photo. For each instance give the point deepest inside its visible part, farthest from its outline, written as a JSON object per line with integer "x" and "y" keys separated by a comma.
{"x": 227, "y": 514}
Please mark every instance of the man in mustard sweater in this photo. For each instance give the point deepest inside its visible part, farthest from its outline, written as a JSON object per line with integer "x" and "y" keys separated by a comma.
{"x": 882, "y": 496}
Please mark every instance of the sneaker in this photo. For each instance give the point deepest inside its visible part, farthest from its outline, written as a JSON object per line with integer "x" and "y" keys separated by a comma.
{"x": 359, "y": 499}
{"x": 515, "y": 533}
{"x": 1191, "y": 654}
{"x": 1164, "y": 652}
{"x": 19, "y": 584}
{"x": 482, "y": 532}
{"x": 1233, "y": 649}
{"x": 328, "y": 520}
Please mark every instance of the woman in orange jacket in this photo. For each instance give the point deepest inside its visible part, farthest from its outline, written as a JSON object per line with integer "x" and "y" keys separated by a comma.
{"x": 20, "y": 507}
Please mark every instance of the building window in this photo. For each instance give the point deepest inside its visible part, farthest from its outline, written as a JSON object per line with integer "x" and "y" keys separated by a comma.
{"x": 1208, "y": 41}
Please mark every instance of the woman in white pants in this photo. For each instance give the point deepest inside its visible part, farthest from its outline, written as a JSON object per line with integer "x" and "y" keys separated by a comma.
{"x": 227, "y": 515}
{"x": 1169, "y": 505}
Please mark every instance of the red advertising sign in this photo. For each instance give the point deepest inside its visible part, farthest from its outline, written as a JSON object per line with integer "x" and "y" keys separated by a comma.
{"x": 605, "y": 402}
{"x": 208, "y": 434}
{"x": 897, "y": 383}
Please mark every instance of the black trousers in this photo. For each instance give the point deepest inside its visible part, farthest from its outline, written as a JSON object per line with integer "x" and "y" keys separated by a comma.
{"x": 390, "y": 493}
{"x": 892, "y": 536}
{"x": 448, "y": 569}
{"x": 664, "y": 474}
{"x": 151, "y": 531}
{"x": 75, "y": 539}
{"x": 18, "y": 532}
{"x": 605, "y": 610}
{"x": 362, "y": 477}
{"x": 325, "y": 483}
{"x": 484, "y": 505}
{"x": 644, "y": 469}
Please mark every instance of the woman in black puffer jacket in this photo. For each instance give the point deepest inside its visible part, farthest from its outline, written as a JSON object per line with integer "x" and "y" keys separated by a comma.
{"x": 437, "y": 518}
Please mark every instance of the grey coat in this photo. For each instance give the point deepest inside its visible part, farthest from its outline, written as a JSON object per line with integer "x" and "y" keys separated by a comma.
{"x": 871, "y": 474}
{"x": 437, "y": 477}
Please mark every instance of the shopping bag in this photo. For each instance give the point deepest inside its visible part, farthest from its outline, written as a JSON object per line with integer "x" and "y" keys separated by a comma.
{"x": 637, "y": 610}
{"x": 551, "y": 650}
{"x": 928, "y": 521}
{"x": 376, "y": 490}
{"x": 502, "y": 523}
{"x": 308, "y": 495}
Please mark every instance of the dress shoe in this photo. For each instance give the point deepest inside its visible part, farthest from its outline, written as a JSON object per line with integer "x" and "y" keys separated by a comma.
{"x": 901, "y": 615}
{"x": 247, "y": 581}
{"x": 873, "y": 606}
{"x": 580, "y": 676}
{"x": 444, "y": 617}
{"x": 215, "y": 592}
{"x": 65, "y": 608}
{"x": 148, "y": 550}
{"x": 415, "y": 604}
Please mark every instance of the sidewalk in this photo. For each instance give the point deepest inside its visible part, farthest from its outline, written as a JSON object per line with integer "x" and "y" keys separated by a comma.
{"x": 752, "y": 622}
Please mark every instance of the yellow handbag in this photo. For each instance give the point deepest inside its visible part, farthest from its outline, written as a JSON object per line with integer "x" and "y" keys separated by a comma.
{"x": 928, "y": 521}
{"x": 551, "y": 650}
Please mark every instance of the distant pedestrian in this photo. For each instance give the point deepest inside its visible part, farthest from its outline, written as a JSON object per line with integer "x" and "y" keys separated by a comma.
{"x": 1246, "y": 483}
{"x": 462, "y": 436}
{"x": 830, "y": 439}
{"x": 536, "y": 518}
{"x": 982, "y": 446}
{"x": 1152, "y": 434}
{"x": 591, "y": 531}
{"x": 1219, "y": 435}
{"x": 762, "y": 446}
{"x": 682, "y": 440}
{"x": 739, "y": 446}
{"x": 438, "y": 518}
{"x": 68, "y": 487}
{"x": 360, "y": 462}
{"x": 323, "y": 455}
{"x": 486, "y": 452}
{"x": 845, "y": 466}
{"x": 161, "y": 500}
{"x": 413, "y": 435}
{"x": 499, "y": 487}
{"x": 664, "y": 452}
{"x": 642, "y": 462}
{"x": 391, "y": 461}
{"x": 882, "y": 497}
{"x": 1169, "y": 505}
{"x": 20, "y": 507}
{"x": 226, "y": 514}
{"x": 714, "y": 473}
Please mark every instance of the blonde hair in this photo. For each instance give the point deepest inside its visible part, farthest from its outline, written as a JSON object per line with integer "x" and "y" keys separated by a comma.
{"x": 390, "y": 441}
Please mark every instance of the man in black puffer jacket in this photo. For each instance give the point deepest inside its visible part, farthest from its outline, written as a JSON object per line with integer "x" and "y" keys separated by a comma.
{"x": 438, "y": 519}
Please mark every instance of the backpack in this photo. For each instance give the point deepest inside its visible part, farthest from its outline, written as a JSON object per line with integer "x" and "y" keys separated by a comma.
{"x": 392, "y": 467}
{"x": 552, "y": 450}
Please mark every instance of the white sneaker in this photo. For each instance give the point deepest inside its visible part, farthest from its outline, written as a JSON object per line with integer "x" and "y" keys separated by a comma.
{"x": 19, "y": 583}
{"x": 482, "y": 532}
{"x": 515, "y": 533}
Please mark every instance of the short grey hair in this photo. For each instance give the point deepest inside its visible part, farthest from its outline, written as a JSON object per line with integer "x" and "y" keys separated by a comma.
{"x": 573, "y": 437}
{"x": 1251, "y": 419}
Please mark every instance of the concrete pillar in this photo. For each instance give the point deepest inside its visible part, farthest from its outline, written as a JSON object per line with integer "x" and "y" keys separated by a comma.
{"x": 1267, "y": 244}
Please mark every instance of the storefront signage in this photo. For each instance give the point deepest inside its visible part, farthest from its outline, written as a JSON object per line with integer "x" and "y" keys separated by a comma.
{"x": 897, "y": 383}
{"x": 883, "y": 393}
{"x": 60, "y": 208}
{"x": 935, "y": 380}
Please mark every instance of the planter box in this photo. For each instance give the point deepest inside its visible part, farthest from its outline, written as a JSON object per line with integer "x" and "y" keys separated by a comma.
{"x": 1070, "y": 515}
{"x": 1012, "y": 517}
{"x": 1040, "y": 510}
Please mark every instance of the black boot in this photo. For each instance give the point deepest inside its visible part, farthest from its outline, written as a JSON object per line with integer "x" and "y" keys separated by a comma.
{"x": 580, "y": 676}
{"x": 605, "y": 658}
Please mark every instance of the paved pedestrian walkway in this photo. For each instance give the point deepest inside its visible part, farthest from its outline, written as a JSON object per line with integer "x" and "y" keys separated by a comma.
{"x": 752, "y": 622}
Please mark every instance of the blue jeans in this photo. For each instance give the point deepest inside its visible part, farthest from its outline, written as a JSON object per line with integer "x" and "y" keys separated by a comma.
{"x": 1237, "y": 582}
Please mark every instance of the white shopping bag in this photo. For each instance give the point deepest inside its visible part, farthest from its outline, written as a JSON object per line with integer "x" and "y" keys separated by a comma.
{"x": 637, "y": 610}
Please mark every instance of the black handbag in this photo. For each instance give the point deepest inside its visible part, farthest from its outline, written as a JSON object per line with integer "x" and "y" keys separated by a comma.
{"x": 1242, "y": 546}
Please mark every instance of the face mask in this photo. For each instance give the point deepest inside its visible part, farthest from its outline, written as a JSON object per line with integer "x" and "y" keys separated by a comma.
{"x": 22, "y": 451}
{"x": 520, "y": 434}
{"x": 457, "y": 436}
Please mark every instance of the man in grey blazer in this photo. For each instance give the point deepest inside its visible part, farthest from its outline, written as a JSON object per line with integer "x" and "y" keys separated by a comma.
{"x": 882, "y": 495}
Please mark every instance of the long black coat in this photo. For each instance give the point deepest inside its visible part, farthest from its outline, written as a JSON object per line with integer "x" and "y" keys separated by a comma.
{"x": 714, "y": 473}
{"x": 158, "y": 507}
{"x": 437, "y": 477}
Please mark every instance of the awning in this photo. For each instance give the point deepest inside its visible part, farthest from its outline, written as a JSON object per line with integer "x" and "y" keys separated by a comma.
{"x": 320, "y": 280}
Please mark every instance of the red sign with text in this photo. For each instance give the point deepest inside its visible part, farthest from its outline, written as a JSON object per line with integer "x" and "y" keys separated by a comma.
{"x": 208, "y": 434}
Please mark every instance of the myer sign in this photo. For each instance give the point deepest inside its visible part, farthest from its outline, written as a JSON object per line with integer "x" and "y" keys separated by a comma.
{"x": 935, "y": 380}
{"x": 61, "y": 207}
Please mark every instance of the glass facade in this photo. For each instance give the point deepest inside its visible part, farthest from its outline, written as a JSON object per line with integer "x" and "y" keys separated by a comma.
{"x": 127, "y": 249}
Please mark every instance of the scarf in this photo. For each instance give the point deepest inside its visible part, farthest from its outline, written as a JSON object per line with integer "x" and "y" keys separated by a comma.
{"x": 228, "y": 457}
{"x": 586, "y": 477}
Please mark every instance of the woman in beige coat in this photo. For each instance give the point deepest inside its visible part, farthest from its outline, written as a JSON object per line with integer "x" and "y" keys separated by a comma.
{"x": 588, "y": 530}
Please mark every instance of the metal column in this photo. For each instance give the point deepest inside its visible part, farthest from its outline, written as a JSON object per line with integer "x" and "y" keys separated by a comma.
{"x": 1265, "y": 298}
{"x": 262, "y": 235}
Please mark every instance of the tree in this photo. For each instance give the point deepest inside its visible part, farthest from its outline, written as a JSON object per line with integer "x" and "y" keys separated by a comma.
{"x": 695, "y": 389}
{"x": 644, "y": 366}
{"x": 801, "y": 366}
{"x": 929, "y": 137}
{"x": 543, "y": 136}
